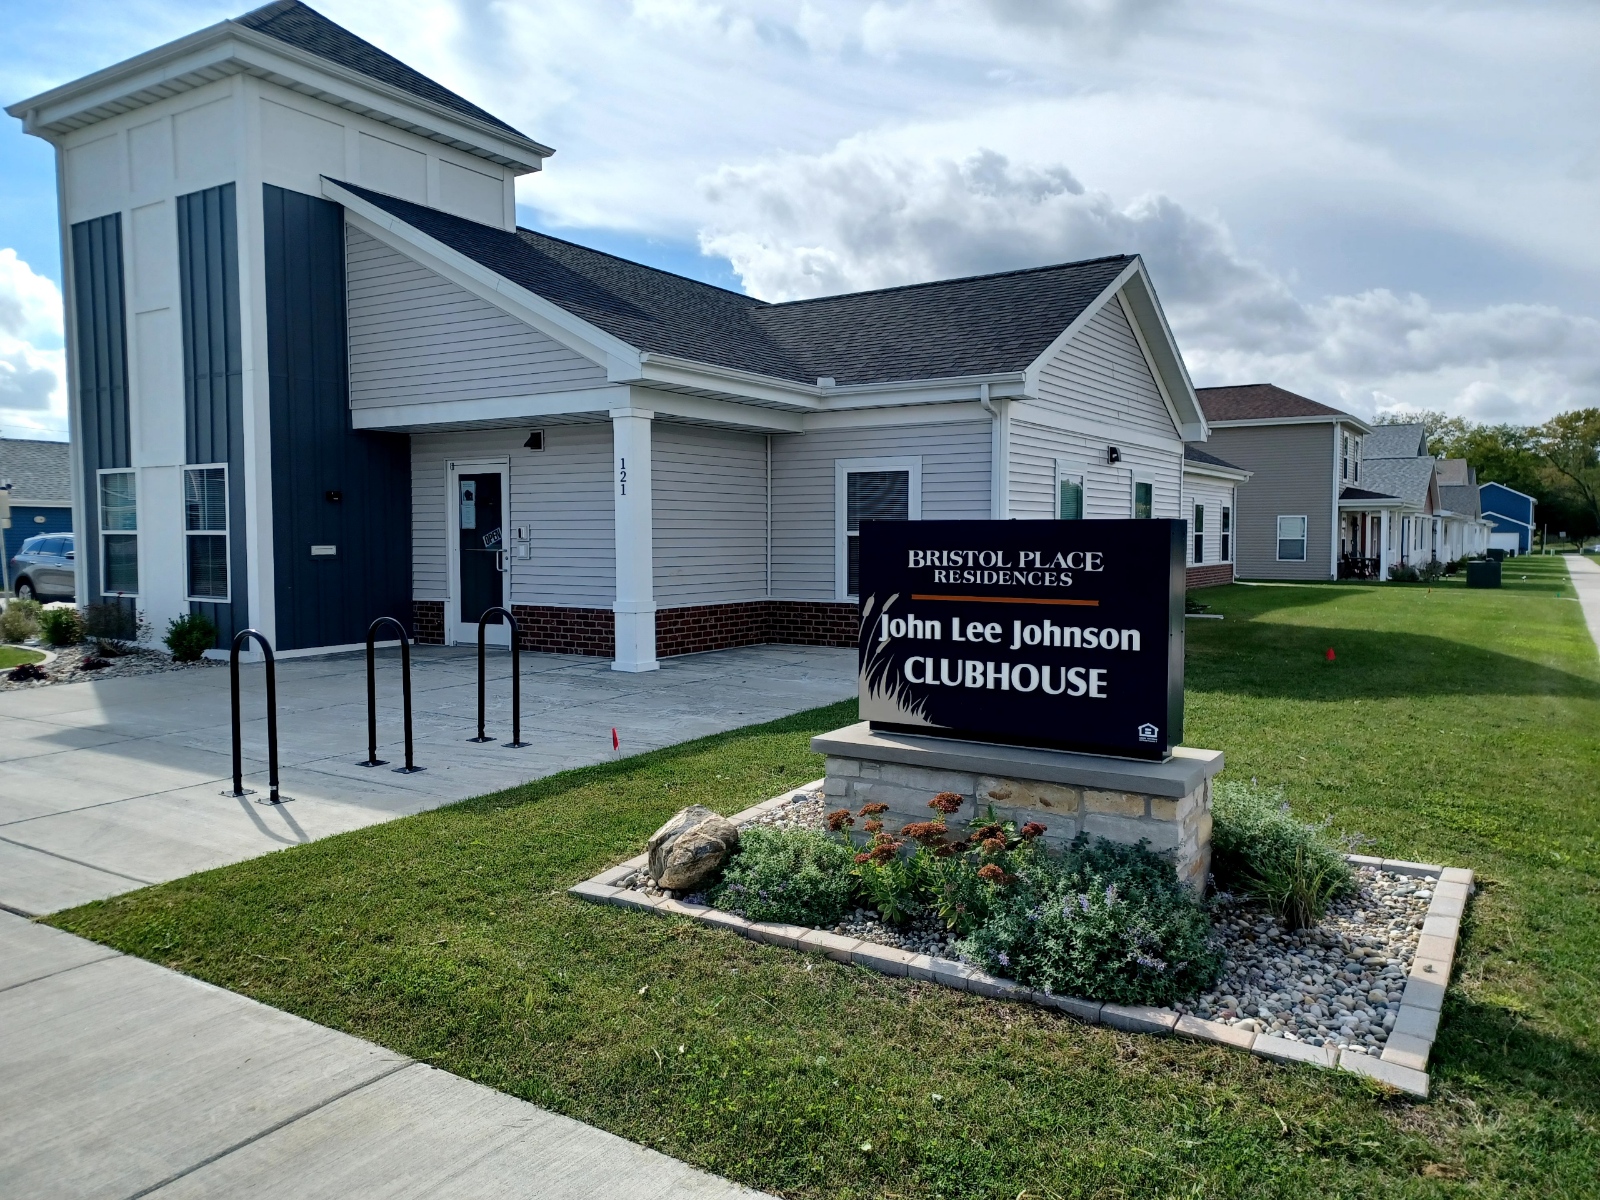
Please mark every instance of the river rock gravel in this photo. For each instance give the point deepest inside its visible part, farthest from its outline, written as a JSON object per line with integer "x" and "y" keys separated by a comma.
{"x": 69, "y": 666}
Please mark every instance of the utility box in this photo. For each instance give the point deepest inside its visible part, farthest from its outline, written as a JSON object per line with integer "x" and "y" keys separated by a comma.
{"x": 1485, "y": 574}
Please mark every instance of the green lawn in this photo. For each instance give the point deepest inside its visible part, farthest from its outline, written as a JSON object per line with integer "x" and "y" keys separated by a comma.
{"x": 15, "y": 656}
{"x": 1457, "y": 726}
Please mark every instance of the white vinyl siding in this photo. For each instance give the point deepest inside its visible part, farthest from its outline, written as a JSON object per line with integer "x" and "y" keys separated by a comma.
{"x": 955, "y": 486}
{"x": 1215, "y": 495}
{"x": 1101, "y": 375}
{"x": 416, "y": 337}
{"x": 709, "y": 514}
{"x": 1039, "y": 455}
{"x": 563, "y": 493}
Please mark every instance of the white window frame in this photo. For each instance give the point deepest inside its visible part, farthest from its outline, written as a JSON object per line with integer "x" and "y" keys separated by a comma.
{"x": 100, "y": 524}
{"x": 1135, "y": 478}
{"x": 226, "y": 532}
{"x": 1304, "y": 538}
{"x": 1197, "y": 534}
{"x": 842, "y": 469}
{"x": 1067, "y": 470}
{"x": 1225, "y": 533}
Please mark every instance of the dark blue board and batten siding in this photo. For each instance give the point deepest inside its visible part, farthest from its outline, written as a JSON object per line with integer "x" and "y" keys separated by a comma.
{"x": 326, "y": 601}
{"x": 101, "y": 336}
{"x": 213, "y": 375}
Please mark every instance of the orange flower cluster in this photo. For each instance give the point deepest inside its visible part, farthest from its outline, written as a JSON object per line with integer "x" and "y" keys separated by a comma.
{"x": 928, "y": 833}
{"x": 993, "y": 873}
{"x": 873, "y": 810}
{"x": 946, "y": 802}
{"x": 840, "y": 818}
{"x": 1031, "y": 830}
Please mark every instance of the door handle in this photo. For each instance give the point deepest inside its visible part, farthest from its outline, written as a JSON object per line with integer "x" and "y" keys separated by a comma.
{"x": 500, "y": 561}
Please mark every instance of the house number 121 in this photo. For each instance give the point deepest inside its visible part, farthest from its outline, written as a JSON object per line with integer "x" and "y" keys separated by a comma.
{"x": 622, "y": 475}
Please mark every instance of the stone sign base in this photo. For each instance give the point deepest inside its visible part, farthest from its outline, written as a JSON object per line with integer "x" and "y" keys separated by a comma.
{"x": 1167, "y": 804}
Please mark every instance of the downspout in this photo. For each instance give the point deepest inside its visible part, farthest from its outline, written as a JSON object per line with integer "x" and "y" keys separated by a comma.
{"x": 768, "y": 439}
{"x": 999, "y": 458}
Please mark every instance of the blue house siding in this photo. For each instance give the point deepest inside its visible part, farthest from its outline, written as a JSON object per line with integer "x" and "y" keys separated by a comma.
{"x": 1508, "y": 511}
{"x": 316, "y": 455}
{"x": 28, "y": 520}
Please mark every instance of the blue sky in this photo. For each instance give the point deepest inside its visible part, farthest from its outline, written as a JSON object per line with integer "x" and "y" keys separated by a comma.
{"x": 1382, "y": 206}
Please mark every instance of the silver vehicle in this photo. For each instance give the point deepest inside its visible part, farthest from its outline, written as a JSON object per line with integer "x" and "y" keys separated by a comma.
{"x": 44, "y": 568}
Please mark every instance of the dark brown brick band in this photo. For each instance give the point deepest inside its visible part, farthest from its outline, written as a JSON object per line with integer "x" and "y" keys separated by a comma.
{"x": 427, "y": 620}
{"x": 554, "y": 630}
{"x": 1212, "y": 576}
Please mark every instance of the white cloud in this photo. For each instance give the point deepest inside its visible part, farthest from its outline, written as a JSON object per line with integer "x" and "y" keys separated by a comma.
{"x": 868, "y": 215}
{"x": 32, "y": 363}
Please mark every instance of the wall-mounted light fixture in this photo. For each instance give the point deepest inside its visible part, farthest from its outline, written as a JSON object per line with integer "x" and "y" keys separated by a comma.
{"x": 1113, "y": 455}
{"x": 535, "y": 440}
{"x": 333, "y": 495}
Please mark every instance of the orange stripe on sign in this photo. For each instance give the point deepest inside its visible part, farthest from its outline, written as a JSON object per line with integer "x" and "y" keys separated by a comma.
{"x": 1010, "y": 600}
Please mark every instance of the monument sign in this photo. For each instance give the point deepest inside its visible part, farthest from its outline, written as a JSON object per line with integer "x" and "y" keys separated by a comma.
{"x": 1060, "y": 634}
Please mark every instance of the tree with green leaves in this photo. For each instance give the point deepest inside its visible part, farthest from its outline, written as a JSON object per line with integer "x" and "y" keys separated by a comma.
{"x": 1570, "y": 443}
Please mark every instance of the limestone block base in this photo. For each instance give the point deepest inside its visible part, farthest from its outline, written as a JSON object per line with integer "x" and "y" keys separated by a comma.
{"x": 1166, "y": 804}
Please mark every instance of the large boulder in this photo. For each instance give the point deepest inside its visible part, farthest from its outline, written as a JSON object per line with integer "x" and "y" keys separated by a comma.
{"x": 688, "y": 851}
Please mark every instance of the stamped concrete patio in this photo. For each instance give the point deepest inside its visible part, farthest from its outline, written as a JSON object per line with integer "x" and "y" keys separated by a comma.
{"x": 107, "y": 787}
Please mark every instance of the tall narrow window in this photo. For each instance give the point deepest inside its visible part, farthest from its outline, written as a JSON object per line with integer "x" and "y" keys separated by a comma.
{"x": 1355, "y": 469}
{"x": 1291, "y": 539}
{"x": 871, "y": 496}
{"x": 1227, "y": 533}
{"x": 119, "y": 533}
{"x": 1344, "y": 456}
{"x": 1199, "y": 533}
{"x": 205, "y": 531}
{"x": 1143, "y": 499}
{"x": 1069, "y": 498}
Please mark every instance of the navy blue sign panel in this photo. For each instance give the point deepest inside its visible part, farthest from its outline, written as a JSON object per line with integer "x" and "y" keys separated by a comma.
{"x": 1062, "y": 634}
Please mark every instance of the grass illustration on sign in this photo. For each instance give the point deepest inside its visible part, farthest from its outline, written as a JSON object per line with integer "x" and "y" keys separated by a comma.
{"x": 884, "y": 692}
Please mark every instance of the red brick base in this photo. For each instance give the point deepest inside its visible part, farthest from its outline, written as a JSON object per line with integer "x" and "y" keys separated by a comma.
{"x": 427, "y": 620}
{"x": 700, "y": 627}
{"x": 554, "y": 630}
{"x": 1213, "y": 576}
{"x": 688, "y": 630}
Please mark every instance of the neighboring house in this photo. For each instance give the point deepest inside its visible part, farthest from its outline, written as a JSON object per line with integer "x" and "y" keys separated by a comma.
{"x": 319, "y": 376}
{"x": 39, "y": 475}
{"x": 1439, "y": 515}
{"x": 1510, "y": 517}
{"x": 1466, "y": 532}
{"x": 1211, "y": 506}
{"x": 1308, "y": 511}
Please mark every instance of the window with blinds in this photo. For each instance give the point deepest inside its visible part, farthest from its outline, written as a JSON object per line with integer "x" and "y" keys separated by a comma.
{"x": 1069, "y": 504}
{"x": 1199, "y": 533}
{"x": 871, "y": 496}
{"x": 1143, "y": 500}
{"x": 119, "y": 533}
{"x": 205, "y": 526}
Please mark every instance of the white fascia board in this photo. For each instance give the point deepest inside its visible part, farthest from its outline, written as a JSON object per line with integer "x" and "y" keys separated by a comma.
{"x": 555, "y": 322}
{"x": 508, "y": 410}
{"x": 1008, "y": 385}
{"x": 719, "y": 412}
{"x": 1211, "y": 471}
{"x": 1370, "y": 503}
{"x": 1257, "y": 422}
{"x": 1036, "y": 368}
{"x": 1187, "y": 430}
{"x": 1116, "y": 435}
{"x": 228, "y": 49}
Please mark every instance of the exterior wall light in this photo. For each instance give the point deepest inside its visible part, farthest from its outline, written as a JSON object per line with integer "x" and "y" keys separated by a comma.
{"x": 1113, "y": 455}
{"x": 535, "y": 440}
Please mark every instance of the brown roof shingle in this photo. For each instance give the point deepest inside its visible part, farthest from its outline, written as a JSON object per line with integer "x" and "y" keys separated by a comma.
{"x": 1259, "y": 402}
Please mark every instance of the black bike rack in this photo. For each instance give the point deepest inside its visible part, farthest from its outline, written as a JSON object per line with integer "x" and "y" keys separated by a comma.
{"x": 239, "y": 790}
{"x": 516, "y": 742}
{"x": 373, "y": 760}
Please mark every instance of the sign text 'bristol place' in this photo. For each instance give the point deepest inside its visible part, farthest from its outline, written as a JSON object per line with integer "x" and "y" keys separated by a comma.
{"x": 1064, "y": 634}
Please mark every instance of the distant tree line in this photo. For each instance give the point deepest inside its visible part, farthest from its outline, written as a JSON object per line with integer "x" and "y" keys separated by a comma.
{"x": 1557, "y": 463}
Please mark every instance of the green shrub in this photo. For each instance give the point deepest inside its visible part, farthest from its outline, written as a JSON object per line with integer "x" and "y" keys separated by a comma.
{"x": 189, "y": 637}
{"x": 110, "y": 624}
{"x": 1260, "y": 849}
{"x": 1102, "y": 920}
{"x": 61, "y": 626}
{"x": 20, "y": 621}
{"x": 792, "y": 876}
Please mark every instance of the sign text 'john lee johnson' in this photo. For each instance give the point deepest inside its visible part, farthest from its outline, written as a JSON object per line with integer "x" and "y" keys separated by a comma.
{"x": 1065, "y": 634}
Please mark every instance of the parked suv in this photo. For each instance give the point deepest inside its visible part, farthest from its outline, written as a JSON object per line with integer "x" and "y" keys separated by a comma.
{"x": 43, "y": 568}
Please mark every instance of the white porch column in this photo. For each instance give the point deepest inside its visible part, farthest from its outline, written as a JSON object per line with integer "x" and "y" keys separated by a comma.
{"x": 1383, "y": 542}
{"x": 635, "y": 607}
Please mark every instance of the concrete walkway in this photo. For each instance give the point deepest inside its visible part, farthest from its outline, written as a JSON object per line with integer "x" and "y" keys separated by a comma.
{"x": 1585, "y": 575}
{"x": 107, "y": 787}
{"x": 122, "y": 1079}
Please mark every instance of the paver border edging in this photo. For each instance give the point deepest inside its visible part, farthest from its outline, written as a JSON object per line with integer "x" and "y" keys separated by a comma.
{"x": 1403, "y": 1064}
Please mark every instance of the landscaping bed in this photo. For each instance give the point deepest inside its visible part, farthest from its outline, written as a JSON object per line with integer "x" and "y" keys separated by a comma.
{"x": 78, "y": 664}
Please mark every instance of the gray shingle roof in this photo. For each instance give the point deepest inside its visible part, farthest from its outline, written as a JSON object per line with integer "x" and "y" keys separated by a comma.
{"x": 1405, "y": 478}
{"x": 984, "y": 324}
{"x": 39, "y": 471}
{"x": 1395, "y": 441}
{"x": 303, "y": 27}
{"x": 1196, "y": 455}
{"x": 1460, "y": 498}
{"x": 1259, "y": 402}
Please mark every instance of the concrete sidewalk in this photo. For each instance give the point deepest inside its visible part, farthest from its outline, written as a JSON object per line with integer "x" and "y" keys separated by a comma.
{"x": 107, "y": 787}
{"x": 1585, "y": 576}
{"x": 122, "y": 1079}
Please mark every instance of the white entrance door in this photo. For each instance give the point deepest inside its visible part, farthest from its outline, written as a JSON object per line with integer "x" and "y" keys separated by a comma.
{"x": 477, "y": 511}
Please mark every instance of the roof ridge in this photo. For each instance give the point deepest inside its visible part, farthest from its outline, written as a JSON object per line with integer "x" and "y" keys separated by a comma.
{"x": 928, "y": 283}
{"x": 634, "y": 263}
